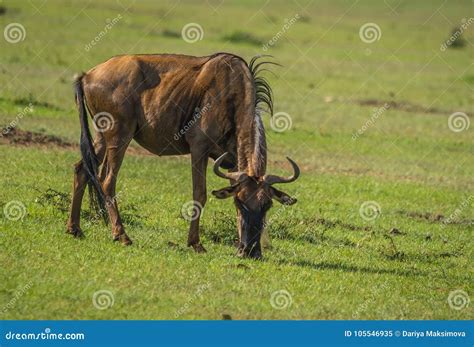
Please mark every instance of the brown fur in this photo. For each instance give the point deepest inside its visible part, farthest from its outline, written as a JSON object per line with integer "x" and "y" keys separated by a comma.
{"x": 151, "y": 98}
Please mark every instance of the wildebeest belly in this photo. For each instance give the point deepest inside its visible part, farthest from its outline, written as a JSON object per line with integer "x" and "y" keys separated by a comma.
{"x": 163, "y": 124}
{"x": 154, "y": 139}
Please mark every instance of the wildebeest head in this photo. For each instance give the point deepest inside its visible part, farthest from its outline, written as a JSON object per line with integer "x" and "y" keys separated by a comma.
{"x": 253, "y": 198}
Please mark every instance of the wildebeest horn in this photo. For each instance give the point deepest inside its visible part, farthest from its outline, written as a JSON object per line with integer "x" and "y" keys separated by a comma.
{"x": 230, "y": 175}
{"x": 271, "y": 179}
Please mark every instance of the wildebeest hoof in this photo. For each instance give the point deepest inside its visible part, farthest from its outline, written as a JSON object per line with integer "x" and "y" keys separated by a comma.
{"x": 75, "y": 231}
{"x": 123, "y": 239}
{"x": 198, "y": 248}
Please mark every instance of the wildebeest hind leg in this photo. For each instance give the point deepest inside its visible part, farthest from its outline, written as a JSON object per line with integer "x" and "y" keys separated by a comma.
{"x": 79, "y": 186}
{"x": 114, "y": 157}
{"x": 199, "y": 166}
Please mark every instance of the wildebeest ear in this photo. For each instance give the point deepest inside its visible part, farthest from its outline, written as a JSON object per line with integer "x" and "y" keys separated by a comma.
{"x": 225, "y": 192}
{"x": 281, "y": 197}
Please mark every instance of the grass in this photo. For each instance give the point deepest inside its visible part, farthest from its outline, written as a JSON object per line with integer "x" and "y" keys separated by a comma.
{"x": 241, "y": 36}
{"x": 333, "y": 263}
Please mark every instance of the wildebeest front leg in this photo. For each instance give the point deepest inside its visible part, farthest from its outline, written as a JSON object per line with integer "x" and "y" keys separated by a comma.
{"x": 199, "y": 166}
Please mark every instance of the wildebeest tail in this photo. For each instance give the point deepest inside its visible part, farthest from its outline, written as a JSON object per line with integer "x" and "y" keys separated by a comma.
{"x": 89, "y": 157}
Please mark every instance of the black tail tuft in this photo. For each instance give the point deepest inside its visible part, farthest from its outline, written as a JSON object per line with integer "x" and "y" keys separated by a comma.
{"x": 89, "y": 158}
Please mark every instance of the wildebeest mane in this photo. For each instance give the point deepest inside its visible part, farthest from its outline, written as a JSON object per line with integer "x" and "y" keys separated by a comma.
{"x": 263, "y": 91}
{"x": 263, "y": 96}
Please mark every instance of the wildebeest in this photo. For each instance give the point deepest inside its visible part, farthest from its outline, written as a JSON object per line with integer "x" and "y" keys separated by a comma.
{"x": 151, "y": 98}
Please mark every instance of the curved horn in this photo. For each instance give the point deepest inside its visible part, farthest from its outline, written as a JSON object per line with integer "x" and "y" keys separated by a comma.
{"x": 230, "y": 175}
{"x": 271, "y": 179}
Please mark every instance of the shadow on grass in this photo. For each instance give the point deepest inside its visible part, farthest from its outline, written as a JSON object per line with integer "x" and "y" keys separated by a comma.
{"x": 351, "y": 268}
{"x": 315, "y": 231}
{"x": 434, "y": 218}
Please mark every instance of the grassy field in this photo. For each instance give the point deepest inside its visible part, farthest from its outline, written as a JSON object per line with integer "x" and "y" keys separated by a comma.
{"x": 410, "y": 259}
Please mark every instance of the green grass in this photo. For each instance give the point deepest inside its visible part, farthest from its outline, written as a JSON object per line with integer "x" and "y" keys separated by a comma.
{"x": 334, "y": 264}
